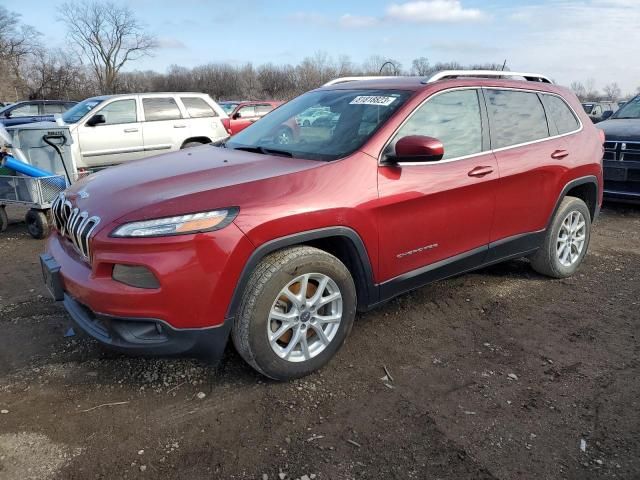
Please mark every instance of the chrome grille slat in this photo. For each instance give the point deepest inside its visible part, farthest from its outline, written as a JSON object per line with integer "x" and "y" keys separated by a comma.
{"x": 75, "y": 225}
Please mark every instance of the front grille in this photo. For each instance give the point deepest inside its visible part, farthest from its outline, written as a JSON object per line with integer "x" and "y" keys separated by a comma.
{"x": 622, "y": 151}
{"x": 75, "y": 225}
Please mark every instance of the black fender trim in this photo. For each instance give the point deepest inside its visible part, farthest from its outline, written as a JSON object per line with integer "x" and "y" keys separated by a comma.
{"x": 572, "y": 184}
{"x": 369, "y": 287}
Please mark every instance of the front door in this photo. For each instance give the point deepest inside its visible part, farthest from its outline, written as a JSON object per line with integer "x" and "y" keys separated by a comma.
{"x": 244, "y": 117}
{"x": 117, "y": 140}
{"x": 435, "y": 217}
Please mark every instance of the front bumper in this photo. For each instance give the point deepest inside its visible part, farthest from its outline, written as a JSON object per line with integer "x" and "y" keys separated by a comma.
{"x": 135, "y": 335}
{"x": 146, "y": 335}
{"x": 622, "y": 180}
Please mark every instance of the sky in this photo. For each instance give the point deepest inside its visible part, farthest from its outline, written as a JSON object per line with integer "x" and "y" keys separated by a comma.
{"x": 565, "y": 39}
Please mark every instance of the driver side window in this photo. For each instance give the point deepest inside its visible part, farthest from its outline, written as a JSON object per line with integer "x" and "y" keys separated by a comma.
{"x": 120, "y": 111}
{"x": 28, "y": 110}
{"x": 451, "y": 117}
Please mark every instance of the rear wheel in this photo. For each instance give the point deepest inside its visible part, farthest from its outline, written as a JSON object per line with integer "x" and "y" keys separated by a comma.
{"x": 37, "y": 223}
{"x": 566, "y": 240}
{"x": 191, "y": 144}
{"x": 296, "y": 312}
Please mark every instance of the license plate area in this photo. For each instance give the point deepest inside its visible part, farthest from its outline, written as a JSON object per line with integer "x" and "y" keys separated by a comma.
{"x": 51, "y": 276}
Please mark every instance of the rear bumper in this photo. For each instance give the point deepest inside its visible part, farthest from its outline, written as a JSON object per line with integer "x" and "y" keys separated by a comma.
{"x": 147, "y": 335}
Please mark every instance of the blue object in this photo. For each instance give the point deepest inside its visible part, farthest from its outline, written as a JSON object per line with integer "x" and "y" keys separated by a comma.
{"x": 70, "y": 333}
{"x": 21, "y": 167}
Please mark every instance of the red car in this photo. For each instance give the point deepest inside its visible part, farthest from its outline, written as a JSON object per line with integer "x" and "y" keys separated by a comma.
{"x": 278, "y": 245}
{"x": 242, "y": 114}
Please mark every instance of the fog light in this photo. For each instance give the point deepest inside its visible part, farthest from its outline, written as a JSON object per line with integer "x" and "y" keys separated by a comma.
{"x": 135, "y": 276}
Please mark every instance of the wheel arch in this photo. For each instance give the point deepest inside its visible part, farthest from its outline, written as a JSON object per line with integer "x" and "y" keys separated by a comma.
{"x": 196, "y": 139}
{"x": 341, "y": 242}
{"x": 584, "y": 188}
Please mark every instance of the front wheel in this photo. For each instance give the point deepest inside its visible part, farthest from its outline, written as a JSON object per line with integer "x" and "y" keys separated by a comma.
{"x": 284, "y": 136}
{"x": 566, "y": 240}
{"x": 296, "y": 312}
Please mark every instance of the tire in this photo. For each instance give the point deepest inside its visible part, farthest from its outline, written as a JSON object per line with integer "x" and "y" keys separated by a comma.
{"x": 284, "y": 136}
{"x": 554, "y": 260}
{"x": 263, "y": 298}
{"x": 37, "y": 223}
{"x": 191, "y": 144}
{"x": 4, "y": 219}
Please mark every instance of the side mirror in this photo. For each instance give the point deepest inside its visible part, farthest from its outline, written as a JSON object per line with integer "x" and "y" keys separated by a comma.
{"x": 418, "y": 148}
{"x": 606, "y": 114}
{"x": 96, "y": 120}
{"x": 236, "y": 115}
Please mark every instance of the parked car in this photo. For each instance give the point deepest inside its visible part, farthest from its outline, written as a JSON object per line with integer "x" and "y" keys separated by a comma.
{"x": 622, "y": 152}
{"x": 244, "y": 114}
{"x": 599, "y": 111}
{"x": 33, "y": 111}
{"x": 113, "y": 129}
{"x": 279, "y": 245}
{"x": 306, "y": 119}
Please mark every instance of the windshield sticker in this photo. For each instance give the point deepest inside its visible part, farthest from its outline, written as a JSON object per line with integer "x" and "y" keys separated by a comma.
{"x": 372, "y": 100}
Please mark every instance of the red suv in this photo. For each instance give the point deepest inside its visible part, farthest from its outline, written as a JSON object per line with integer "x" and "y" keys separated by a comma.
{"x": 243, "y": 114}
{"x": 279, "y": 245}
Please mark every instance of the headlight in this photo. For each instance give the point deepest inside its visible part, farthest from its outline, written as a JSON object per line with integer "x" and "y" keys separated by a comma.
{"x": 178, "y": 225}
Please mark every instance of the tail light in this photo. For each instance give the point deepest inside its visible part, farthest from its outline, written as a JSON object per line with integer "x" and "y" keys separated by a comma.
{"x": 226, "y": 123}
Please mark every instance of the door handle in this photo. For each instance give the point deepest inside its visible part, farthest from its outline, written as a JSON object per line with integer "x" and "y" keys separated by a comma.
{"x": 130, "y": 130}
{"x": 480, "y": 171}
{"x": 179, "y": 126}
{"x": 559, "y": 154}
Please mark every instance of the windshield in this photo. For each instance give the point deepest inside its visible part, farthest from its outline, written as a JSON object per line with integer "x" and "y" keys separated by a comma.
{"x": 73, "y": 115}
{"x": 228, "y": 107}
{"x": 587, "y": 107}
{"x": 631, "y": 109}
{"x": 344, "y": 121}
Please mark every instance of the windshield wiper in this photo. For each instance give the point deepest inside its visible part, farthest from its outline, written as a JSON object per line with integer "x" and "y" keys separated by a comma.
{"x": 265, "y": 151}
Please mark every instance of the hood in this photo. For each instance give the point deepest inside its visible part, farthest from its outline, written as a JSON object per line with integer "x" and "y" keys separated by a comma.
{"x": 621, "y": 129}
{"x": 191, "y": 180}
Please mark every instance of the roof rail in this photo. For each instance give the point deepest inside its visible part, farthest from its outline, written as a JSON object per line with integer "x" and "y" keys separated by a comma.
{"x": 530, "y": 77}
{"x": 335, "y": 81}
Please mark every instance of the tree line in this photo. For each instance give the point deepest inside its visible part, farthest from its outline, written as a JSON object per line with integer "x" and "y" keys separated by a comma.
{"x": 105, "y": 37}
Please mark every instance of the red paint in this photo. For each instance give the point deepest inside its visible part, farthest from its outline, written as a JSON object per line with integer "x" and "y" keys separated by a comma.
{"x": 444, "y": 208}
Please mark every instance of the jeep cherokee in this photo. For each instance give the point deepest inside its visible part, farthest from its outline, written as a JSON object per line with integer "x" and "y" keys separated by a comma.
{"x": 279, "y": 245}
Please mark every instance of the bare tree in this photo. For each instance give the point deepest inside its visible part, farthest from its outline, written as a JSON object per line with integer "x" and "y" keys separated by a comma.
{"x": 579, "y": 89}
{"x": 612, "y": 91}
{"x": 420, "y": 67}
{"x": 108, "y": 35}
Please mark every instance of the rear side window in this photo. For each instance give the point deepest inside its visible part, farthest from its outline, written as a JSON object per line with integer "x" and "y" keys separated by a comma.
{"x": 197, "y": 107}
{"x": 51, "y": 108}
{"x": 453, "y": 118}
{"x": 560, "y": 114}
{"x": 515, "y": 117}
{"x": 160, "y": 109}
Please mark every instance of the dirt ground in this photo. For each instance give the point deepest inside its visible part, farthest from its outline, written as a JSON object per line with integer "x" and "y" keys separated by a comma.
{"x": 499, "y": 374}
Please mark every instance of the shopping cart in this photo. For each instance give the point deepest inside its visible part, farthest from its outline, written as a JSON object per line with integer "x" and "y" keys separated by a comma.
{"x": 37, "y": 193}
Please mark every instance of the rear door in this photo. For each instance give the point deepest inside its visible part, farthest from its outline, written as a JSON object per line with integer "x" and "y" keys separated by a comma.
{"x": 117, "y": 140}
{"x": 203, "y": 119}
{"x": 164, "y": 128}
{"x": 437, "y": 215}
{"x": 532, "y": 156}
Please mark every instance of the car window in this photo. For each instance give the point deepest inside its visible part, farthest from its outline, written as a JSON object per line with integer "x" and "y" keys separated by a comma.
{"x": 28, "y": 110}
{"x": 79, "y": 110}
{"x": 120, "y": 111}
{"x": 515, "y": 117}
{"x": 51, "y": 108}
{"x": 197, "y": 107}
{"x": 162, "y": 108}
{"x": 451, "y": 117}
{"x": 247, "y": 111}
{"x": 350, "y": 118}
{"x": 560, "y": 114}
{"x": 263, "y": 109}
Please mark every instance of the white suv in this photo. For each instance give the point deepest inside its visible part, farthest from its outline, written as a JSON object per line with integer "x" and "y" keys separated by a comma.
{"x": 113, "y": 129}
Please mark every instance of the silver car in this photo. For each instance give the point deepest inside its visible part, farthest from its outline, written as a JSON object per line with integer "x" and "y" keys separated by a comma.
{"x": 112, "y": 129}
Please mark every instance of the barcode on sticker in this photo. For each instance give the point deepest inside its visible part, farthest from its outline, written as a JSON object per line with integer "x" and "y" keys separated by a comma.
{"x": 372, "y": 100}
